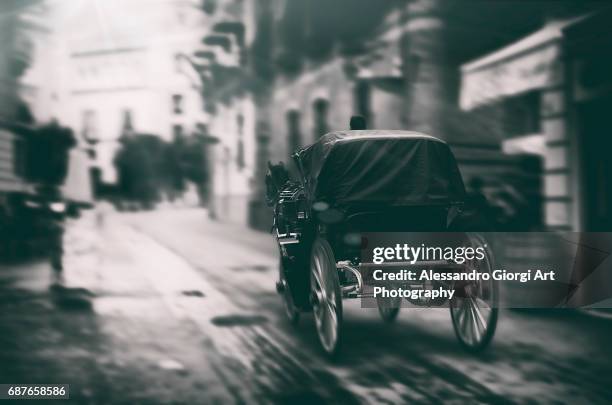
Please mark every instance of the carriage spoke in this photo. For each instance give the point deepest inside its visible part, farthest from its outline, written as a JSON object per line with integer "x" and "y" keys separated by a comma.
{"x": 475, "y": 315}
{"x": 475, "y": 330}
{"x": 317, "y": 306}
{"x": 479, "y": 316}
{"x": 461, "y": 312}
{"x": 482, "y": 303}
{"x": 475, "y": 322}
{"x": 317, "y": 281}
{"x": 318, "y": 285}
{"x": 325, "y": 309}
{"x": 318, "y": 319}
{"x": 318, "y": 267}
{"x": 465, "y": 324}
{"x": 324, "y": 320}
{"x": 327, "y": 324}
{"x": 332, "y": 322}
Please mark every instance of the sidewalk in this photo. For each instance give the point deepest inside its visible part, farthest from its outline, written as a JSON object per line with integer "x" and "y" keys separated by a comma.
{"x": 174, "y": 308}
{"x": 132, "y": 321}
{"x": 110, "y": 326}
{"x": 198, "y": 218}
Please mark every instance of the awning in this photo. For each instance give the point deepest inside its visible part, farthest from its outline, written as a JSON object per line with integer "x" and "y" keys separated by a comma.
{"x": 533, "y": 144}
{"x": 531, "y": 63}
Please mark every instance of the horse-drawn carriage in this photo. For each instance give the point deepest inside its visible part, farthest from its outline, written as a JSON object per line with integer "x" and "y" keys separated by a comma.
{"x": 350, "y": 183}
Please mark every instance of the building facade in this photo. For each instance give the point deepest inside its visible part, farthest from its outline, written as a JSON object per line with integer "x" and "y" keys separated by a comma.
{"x": 234, "y": 106}
{"x": 559, "y": 75}
{"x": 414, "y": 65}
{"x": 19, "y": 29}
{"x": 406, "y": 76}
{"x": 105, "y": 76}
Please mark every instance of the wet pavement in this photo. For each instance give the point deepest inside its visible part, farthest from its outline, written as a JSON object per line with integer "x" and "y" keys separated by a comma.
{"x": 169, "y": 307}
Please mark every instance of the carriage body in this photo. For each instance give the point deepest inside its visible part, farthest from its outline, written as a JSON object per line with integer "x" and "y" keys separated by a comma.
{"x": 350, "y": 183}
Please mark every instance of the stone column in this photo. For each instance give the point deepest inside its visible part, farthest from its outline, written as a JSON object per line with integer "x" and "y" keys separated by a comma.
{"x": 557, "y": 198}
{"x": 426, "y": 67}
{"x": 558, "y": 171}
{"x": 260, "y": 216}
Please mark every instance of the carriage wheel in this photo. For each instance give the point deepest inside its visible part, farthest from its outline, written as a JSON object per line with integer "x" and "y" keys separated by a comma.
{"x": 326, "y": 296}
{"x": 292, "y": 312}
{"x": 474, "y": 314}
{"x": 388, "y": 308}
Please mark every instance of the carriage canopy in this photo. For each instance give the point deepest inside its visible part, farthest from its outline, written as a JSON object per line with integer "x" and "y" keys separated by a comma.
{"x": 391, "y": 167}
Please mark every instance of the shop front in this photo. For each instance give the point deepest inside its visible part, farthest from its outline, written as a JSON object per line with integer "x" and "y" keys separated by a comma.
{"x": 562, "y": 75}
{"x": 588, "y": 49}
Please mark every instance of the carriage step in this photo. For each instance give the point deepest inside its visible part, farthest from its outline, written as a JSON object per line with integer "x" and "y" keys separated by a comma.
{"x": 350, "y": 291}
{"x": 287, "y": 238}
{"x": 288, "y": 241}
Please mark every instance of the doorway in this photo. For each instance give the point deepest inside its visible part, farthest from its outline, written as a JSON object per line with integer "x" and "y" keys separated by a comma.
{"x": 595, "y": 135}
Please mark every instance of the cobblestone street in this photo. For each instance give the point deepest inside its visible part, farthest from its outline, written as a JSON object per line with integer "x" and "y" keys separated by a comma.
{"x": 170, "y": 307}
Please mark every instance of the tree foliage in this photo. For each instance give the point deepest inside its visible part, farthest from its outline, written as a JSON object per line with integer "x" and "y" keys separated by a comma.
{"x": 139, "y": 167}
{"x": 149, "y": 167}
{"x": 47, "y": 154}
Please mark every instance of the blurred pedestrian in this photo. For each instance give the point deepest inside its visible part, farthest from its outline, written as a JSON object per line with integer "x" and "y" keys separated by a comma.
{"x": 103, "y": 208}
{"x": 55, "y": 231}
{"x": 54, "y": 215}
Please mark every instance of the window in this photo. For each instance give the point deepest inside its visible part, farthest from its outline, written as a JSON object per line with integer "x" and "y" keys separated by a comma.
{"x": 128, "y": 125}
{"x": 202, "y": 129}
{"x": 89, "y": 130}
{"x": 177, "y": 103}
{"x": 320, "y": 107}
{"x": 177, "y": 131}
{"x": 209, "y": 6}
{"x": 240, "y": 146}
{"x": 522, "y": 114}
{"x": 177, "y": 63}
